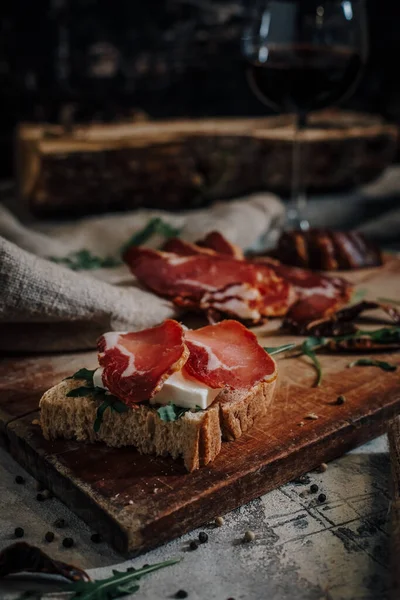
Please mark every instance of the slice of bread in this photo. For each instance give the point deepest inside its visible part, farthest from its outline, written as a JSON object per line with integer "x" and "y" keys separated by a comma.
{"x": 196, "y": 435}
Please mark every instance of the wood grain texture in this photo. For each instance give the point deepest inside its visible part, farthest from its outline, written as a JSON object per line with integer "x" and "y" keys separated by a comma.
{"x": 138, "y": 502}
{"x": 394, "y": 444}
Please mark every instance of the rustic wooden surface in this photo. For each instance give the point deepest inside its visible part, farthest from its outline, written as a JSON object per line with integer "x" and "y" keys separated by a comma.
{"x": 394, "y": 445}
{"x": 98, "y": 483}
{"x": 189, "y": 163}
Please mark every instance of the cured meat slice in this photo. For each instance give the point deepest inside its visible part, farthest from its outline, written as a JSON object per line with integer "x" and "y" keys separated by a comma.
{"x": 135, "y": 365}
{"x": 317, "y": 295}
{"x": 227, "y": 355}
{"x": 200, "y": 281}
{"x": 217, "y": 242}
{"x": 178, "y": 246}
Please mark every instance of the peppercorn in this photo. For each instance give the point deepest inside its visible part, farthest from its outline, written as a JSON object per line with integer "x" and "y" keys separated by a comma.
{"x": 96, "y": 538}
{"x": 145, "y": 566}
{"x": 40, "y": 497}
{"x": 193, "y": 545}
{"x": 49, "y": 537}
{"x": 181, "y": 594}
{"x": 249, "y": 536}
{"x": 340, "y": 400}
{"x": 314, "y": 488}
{"x": 203, "y": 537}
{"x": 19, "y": 479}
{"x": 68, "y": 542}
{"x": 130, "y": 569}
{"x": 19, "y": 532}
{"x": 219, "y": 521}
{"x": 321, "y": 498}
{"x": 60, "y": 523}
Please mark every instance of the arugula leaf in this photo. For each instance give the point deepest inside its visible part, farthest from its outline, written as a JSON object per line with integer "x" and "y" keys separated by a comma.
{"x": 389, "y": 301}
{"x": 111, "y": 402}
{"x": 278, "y": 349}
{"x": 172, "y": 412}
{"x": 308, "y": 348}
{"x": 369, "y": 362}
{"x": 84, "y": 260}
{"x": 79, "y": 392}
{"x": 116, "y": 586}
{"x": 155, "y": 225}
{"x": 86, "y": 374}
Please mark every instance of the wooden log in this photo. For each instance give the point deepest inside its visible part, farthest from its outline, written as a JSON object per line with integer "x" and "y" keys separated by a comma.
{"x": 176, "y": 165}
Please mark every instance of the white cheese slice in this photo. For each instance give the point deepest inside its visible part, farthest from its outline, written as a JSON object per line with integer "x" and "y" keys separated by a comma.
{"x": 97, "y": 380}
{"x": 185, "y": 392}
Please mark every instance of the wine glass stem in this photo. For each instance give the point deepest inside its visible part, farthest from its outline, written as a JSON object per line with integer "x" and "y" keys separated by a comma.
{"x": 297, "y": 214}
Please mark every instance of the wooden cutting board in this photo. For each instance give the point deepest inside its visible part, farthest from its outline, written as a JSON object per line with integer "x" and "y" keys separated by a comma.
{"x": 138, "y": 502}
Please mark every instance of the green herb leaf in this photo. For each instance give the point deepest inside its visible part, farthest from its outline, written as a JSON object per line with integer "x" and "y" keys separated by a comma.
{"x": 171, "y": 412}
{"x": 117, "y": 586}
{"x": 79, "y": 392}
{"x": 358, "y": 295}
{"x": 389, "y": 301}
{"x": 86, "y": 374}
{"x": 154, "y": 226}
{"x": 278, "y": 349}
{"x": 308, "y": 348}
{"x": 109, "y": 401}
{"x": 84, "y": 260}
{"x": 369, "y": 362}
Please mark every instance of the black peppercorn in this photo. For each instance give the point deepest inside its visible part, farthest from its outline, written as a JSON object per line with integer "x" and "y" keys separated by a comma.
{"x": 193, "y": 545}
{"x": 203, "y": 537}
{"x": 340, "y": 400}
{"x": 314, "y": 488}
{"x": 19, "y": 532}
{"x": 96, "y": 538}
{"x": 130, "y": 569}
{"x": 60, "y": 523}
{"x": 181, "y": 594}
{"x": 40, "y": 497}
{"x": 321, "y": 498}
{"x": 19, "y": 479}
{"x": 49, "y": 537}
{"x": 68, "y": 542}
{"x": 145, "y": 566}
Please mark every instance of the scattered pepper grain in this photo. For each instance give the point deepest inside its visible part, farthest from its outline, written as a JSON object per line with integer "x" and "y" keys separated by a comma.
{"x": 314, "y": 488}
{"x": 181, "y": 594}
{"x": 203, "y": 537}
{"x": 340, "y": 400}
{"x": 19, "y": 479}
{"x": 40, "y": 497}
{"x": 96, "y": 538}
{"x": 49, "y": 537}
{"x": 321, "y": 498}
{"x": 249, "y": 536}
{"x": 68, "y": 542}
{"x": 60, "y": 523}
{"x": 193, "y": 545}
{"x": 19, "y": 532}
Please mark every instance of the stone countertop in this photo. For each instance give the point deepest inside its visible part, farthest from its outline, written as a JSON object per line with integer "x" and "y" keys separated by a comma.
{"x": 334, "y": 550}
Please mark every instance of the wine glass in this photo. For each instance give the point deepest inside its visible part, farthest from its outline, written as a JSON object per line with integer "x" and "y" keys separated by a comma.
{"x": 303, "y": 55}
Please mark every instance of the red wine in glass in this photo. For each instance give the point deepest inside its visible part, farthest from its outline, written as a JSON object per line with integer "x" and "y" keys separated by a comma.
{"x": 304, "y": 78}
{"x": 303, "y": 55}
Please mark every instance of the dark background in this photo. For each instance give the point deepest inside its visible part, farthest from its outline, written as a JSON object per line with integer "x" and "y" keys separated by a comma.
{"x": 97, "y": 59}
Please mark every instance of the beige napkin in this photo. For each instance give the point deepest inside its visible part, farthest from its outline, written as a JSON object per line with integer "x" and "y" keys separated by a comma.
{"x": 47, "y": 306}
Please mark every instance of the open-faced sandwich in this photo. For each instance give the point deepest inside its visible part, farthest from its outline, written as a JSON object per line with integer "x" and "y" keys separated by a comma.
{"x": 166, "y": 390}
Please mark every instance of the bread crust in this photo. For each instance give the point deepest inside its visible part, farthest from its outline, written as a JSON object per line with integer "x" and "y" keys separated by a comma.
{"x": 196, "y": 436}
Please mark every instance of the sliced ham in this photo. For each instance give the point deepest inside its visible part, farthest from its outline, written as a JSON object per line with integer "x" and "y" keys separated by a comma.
{"x": 217, "y": 242}
{"x": 318, "y": 295}
{"x": 135, "y": 365}
{"x": 227, "y": 355}
{"x": 206, "y": 281}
